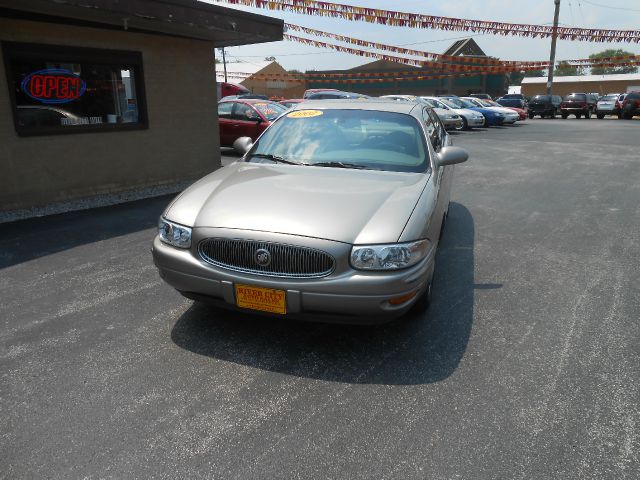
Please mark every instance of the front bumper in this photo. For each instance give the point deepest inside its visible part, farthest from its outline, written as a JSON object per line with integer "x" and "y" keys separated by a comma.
{"x": 453, "y": 123}
{"x": 345, "y": 296}
{"x": 475, "y": 121}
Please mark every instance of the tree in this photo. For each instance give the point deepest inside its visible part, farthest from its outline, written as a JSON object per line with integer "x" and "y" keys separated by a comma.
{"x": 515, "y": 78}
{"x": 565, "y": 69}
{"x": 270, "y": 59}
{"x": 596, "y": 70}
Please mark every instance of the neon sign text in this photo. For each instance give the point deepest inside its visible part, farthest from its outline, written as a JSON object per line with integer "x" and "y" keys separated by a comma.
{"x": 53, "y": 85}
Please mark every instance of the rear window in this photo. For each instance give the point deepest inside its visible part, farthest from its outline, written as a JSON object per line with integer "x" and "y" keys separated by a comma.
{"x": 541, "y": 98}
{"x": 609, "y": 97}
{"x": 576, "y": 96}
{"x": 633, "y": 96}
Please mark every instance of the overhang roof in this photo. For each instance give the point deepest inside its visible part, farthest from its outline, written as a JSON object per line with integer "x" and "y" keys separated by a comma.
{"x": 182, "y": 18}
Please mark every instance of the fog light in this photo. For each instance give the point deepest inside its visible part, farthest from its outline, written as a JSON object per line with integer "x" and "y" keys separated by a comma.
{"x": 403, "y": 298}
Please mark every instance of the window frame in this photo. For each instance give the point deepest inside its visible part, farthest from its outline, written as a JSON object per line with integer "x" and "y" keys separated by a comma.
{"x": 38, "y": 52}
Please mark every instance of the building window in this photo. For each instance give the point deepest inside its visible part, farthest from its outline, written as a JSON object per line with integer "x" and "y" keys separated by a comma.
{"x": 55, "y": 89}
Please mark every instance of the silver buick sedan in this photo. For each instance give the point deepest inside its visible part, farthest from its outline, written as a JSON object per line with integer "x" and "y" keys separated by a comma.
{"x": 333, "y": 214}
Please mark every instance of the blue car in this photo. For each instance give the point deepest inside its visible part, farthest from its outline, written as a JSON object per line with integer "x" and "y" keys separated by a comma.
{"x": 492, "y": 118}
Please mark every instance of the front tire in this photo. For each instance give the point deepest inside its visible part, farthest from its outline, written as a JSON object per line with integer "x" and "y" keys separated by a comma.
{"x": 600, "y": 116}
{"x": 564, "y": 116}
{"x": 578, "y": 115}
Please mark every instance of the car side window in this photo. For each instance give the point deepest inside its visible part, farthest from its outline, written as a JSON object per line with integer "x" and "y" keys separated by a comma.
{"x": 433, "y": 128}
{"x": 243, "y": 111}
{"x": 224, "y": 109}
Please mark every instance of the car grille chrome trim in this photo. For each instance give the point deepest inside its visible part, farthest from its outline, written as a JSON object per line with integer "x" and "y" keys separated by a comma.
{"x": 287, "y": 261}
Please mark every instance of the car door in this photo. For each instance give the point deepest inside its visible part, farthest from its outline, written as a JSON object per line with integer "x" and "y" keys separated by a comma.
{"x": 224, "y": 122}
{"x": 246, "y": 121}
{"x": 438, "y": 138}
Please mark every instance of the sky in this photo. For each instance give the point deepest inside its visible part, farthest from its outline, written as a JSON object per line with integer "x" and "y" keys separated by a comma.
{"x": 607, "y": 14}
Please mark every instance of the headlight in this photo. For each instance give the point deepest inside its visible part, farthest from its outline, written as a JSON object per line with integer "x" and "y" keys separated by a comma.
{"x": 174, "y": 234}
{"x": 389, "y": 257}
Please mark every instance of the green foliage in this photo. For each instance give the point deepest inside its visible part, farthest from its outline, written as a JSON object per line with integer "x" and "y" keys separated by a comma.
{"x": 612, "y": 70}
{"x": 515, "y": 78}
{"x": 270, "y": 59}
{"x": 564, "y": 69}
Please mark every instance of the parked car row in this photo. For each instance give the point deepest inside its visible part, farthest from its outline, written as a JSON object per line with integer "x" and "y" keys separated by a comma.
{"x": 581, "y": 105}
{"x": 244, "y": 116}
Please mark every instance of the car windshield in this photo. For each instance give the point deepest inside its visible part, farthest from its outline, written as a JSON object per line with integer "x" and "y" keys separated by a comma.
{"x": 450, "y": 103}
{"x": 434, "y": 103}
{"x": 270, "y": 110}
{"x": 461, "y": 103}
{"x": 541, "y": 99}
{"x": 487, "y": 103}
{"x": 363, "y": 139}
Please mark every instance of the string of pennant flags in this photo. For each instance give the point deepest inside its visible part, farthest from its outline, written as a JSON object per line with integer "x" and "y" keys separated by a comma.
{"x": 438, "y": 57}
{"x": 421, "y": 21}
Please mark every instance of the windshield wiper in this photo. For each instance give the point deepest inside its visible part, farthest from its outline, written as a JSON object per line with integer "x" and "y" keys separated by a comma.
{"x": 275, "y": 158}
{"x": 340, "y": 165}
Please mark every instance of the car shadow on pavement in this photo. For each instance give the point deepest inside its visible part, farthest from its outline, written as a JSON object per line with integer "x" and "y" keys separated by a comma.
{"x": 25, "y": 240}
{"x": 416, "y": 349}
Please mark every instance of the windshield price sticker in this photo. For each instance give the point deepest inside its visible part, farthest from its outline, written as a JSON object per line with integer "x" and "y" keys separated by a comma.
{"x": 305, "y": 114}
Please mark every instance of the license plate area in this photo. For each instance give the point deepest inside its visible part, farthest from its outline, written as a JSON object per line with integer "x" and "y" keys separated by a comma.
{"x": 261, "y": 299}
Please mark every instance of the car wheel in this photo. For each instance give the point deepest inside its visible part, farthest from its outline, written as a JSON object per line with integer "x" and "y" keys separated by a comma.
{"x": 564, "y": 116}
{"x": 627, "y": 116}
{"x": 600, "y": 116}
{"x": 587, "y": 114}
{"x": 578, "y": 115}
{"x": 619, "y": 116}
{"x": 531, "y": 115}
{"x": 464, "y": 126}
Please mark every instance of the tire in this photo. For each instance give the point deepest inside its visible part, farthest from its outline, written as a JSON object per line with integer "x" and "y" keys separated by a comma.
{"x": 600, "y": 116}
{"x": 619, "y": 115}
{"x": 564, "y": 116}
{"x": 627, "y": 116}
{"x": 587, "y": 115}
{"x": 425, "y": 298}
{"x": 465, "y": 125}
{"x": 531, "y": 115}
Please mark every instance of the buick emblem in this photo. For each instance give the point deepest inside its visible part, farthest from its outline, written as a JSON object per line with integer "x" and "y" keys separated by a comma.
{"x": 262, "y": 257}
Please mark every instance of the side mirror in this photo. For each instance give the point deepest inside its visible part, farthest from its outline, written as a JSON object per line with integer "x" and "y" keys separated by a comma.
{"x": 451, "y": 156}
{"x": 242, "y": 145}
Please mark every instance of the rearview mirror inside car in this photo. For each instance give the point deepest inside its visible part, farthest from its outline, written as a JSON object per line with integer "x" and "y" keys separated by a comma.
{"x": 451, "y": 155}
{"x": 242, "y": 145}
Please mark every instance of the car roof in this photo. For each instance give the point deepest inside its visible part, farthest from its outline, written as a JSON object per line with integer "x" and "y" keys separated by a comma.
{"x": 373, "y": 104}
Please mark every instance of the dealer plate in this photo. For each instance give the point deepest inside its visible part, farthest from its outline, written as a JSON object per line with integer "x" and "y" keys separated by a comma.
{"x": 263, "y": 299}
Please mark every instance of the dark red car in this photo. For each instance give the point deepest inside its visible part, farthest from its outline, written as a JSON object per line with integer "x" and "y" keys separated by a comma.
{"x": 631, "y": 105}
{"x": 245, "y": 118}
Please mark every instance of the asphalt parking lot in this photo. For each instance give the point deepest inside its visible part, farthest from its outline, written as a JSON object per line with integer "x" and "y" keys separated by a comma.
{"x": 525, "y": 367}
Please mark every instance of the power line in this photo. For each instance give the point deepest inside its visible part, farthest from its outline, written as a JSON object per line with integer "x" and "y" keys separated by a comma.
{"x": 609, "y": 7}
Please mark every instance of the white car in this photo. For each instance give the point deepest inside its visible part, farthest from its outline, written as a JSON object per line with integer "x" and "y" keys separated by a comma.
{"x": 510, "y": 116}
{"x": 607, "y": 105}
{"x": 470, "y": 118}
{"x": 449, "y": 118}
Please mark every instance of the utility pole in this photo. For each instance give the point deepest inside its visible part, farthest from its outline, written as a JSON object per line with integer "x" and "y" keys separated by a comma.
{"x": 224, "y": 60}
{"x": 552, "y": 59}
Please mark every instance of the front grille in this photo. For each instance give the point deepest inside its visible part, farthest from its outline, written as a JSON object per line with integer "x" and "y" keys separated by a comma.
{"x": 285, "y": 260}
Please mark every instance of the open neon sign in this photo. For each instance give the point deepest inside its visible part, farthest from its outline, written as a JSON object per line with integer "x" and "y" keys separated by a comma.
{"x": 53, "y": 85}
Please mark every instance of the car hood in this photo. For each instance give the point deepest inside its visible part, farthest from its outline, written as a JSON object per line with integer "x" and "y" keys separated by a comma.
{"x": 345, "y": 205}
{"x": 503, "y": 110}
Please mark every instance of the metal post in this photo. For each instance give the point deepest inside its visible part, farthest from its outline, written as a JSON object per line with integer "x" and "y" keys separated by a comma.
{"x": 552, "y": 59}
{"x": 224, "y": 63}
